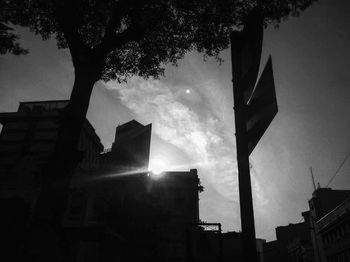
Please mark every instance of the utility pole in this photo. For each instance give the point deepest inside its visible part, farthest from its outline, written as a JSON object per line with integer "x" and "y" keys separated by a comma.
{"x": 254, "y": 109}
{"x": 245, "y": 192}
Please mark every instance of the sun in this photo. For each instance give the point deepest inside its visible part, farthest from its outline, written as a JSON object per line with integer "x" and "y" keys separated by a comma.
{"x": 188, "y": 91}
{"x": 158, "y": 166}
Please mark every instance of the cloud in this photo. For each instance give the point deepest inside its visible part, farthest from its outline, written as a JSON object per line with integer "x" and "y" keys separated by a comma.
{"x": 204, "y": 138}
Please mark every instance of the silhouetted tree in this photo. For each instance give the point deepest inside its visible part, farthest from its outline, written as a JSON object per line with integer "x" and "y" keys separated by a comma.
{"x": 8, "y": 40}
{"x": 117, "y": 39}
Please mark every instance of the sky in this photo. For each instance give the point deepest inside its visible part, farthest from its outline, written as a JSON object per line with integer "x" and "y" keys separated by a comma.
{"x": 191, "y": 111}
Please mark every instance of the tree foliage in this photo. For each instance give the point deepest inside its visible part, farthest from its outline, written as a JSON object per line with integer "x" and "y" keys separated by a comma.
{"x": 137, "y": 37}
{"x": 8, "y": 39}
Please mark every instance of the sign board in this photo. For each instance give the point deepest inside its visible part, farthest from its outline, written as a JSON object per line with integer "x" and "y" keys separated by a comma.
{"x": 248, "y": 44}
{"x": 261, "y": 108}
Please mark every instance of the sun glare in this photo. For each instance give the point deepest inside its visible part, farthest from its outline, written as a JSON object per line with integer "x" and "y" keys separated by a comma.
{"x": 157, "y": 166}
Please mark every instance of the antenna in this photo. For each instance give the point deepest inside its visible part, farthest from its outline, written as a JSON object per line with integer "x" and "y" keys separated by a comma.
{"x": 336, "y": 172}
{"x": 312, "y": 177}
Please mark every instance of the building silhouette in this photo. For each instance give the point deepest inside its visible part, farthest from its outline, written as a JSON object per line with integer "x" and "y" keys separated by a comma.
{"x": 233, "y": 247}
{"x": 144, "y": 214}
{"x": 328, "y": 220}
{"x": 205, "y": 242}
{"x": 334, "y": 229}
{"x": 130, "y": 149}
{"x": 129, "y": 154}
{"x": 208, "y": 243}
{"x": 27, "y": 140}
{"x": 293, "y": 243}
{"x": 116, "y": 208}
{"x": 323, "y": 236}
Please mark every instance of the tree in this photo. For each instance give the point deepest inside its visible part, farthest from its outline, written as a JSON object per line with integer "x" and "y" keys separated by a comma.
{"x": 117, "y": 39}
{"x": 8, "y": 40}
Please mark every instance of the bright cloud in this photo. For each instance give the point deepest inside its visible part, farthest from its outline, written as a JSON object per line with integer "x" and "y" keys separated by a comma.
{"x": 204, "y": 138}
{"x": 201, "y": 138}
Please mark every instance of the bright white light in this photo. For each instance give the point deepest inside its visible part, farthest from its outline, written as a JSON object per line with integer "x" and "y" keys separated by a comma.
{"x": 157, "y": 173}
{"x": 158, "y": 166}
{"x": 188, "y": 91}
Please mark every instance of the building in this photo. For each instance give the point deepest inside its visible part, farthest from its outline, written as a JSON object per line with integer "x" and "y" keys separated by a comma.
{"x": 147, "y": 216}
{"x": 133, "y": 214}
{"x": 323, "y": 201}
{"x": 272, "y": 251}
{"x": 129, "y": 154}
{"x": 300, "y": 249}
{"x": 205, "y": 242}
{"x": 334, "y": 228}
{"x": 116, "y": 209}
{"x": 130, "y": 149}
{"x": 293, "y": 243}
{"x": 324, "y": 236}
{"x": 208, "y": 244}
{"x": 28, "y": 138}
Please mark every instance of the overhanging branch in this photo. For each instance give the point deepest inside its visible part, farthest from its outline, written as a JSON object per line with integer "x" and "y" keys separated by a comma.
{"x": 114, "y": 39}
{"x": 66, "y": 18}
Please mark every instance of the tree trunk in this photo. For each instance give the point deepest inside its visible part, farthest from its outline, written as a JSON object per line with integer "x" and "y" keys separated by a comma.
{"x": 50, "y": 208}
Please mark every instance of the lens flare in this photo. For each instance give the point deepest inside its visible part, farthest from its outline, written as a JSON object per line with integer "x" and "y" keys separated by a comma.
{"x": 158, "y": 166}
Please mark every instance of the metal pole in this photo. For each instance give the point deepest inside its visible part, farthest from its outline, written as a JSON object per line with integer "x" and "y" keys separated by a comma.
{"x": 220, "y": 243}
{"x": 245, "y": 192}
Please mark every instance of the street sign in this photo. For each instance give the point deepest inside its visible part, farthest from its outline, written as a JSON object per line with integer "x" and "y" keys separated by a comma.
{"x": 248, "y": 43}
{"x": 254, "y": 110}
{"x": 261, "y": 108}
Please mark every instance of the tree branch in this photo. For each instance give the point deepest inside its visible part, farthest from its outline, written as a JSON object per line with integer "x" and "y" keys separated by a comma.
{"x": 111, "y": 43}
{"x": 112, "y": 39}
{"x": 65, "y": 14}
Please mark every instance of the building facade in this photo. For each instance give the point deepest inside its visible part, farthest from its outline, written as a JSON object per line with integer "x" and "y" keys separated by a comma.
{"x": 116, "y": 209}
{"x": 334, "y": 231}
{"x": 293, "y": 244}
{"x": 130, "y": 149}
{"x": 139, "y": 216}
{"x": 27, "y": 140}
{"x": 323, "y": 201}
